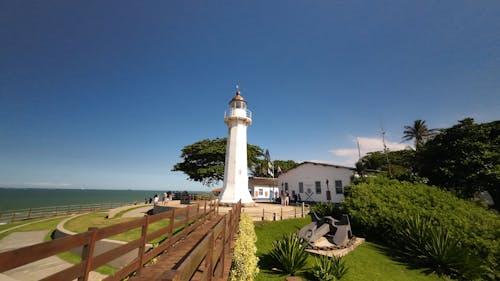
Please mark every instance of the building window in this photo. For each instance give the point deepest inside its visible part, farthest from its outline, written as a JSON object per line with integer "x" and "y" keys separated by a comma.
{"x": 318, "y": 187}
{"x": 338, "y": 187}
{"x": 261, "y": 192}
{"x": 301, "y": 187}
{"x": 286, "y": 186}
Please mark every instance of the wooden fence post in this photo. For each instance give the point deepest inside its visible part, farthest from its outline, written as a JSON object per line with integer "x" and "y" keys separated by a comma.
{"x": 262, "y": 213}
{"x": 209, "y": 258}
{"x": 302, "y": 209}
{"x": 171, "y": 224}
{"x": 142, "y": 248}
{"x": 281, "y": 213}
{"x": 294, "y": 212}
{"x": 88, "y": 254}
{"x": 205, "y": 208}
{"x": 224, "y": 247}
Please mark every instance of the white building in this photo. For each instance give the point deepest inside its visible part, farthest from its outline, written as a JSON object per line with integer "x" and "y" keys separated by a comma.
{"x": 316, "y": 182}
{"x": 263, "y": 189}
{"x": 237, "y": 119}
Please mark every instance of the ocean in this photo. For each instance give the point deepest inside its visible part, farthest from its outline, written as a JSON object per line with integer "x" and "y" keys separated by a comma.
{"x": 23, "y": 198}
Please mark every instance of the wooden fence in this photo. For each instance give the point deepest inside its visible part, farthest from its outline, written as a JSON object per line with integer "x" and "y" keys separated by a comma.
{"x": 279, "y": 213}
{"x": 54, "y": 211}
{"x": 187, "y": 219}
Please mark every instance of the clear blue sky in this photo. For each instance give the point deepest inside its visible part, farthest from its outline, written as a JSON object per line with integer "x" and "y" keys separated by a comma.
{"x": 105, "y": 94}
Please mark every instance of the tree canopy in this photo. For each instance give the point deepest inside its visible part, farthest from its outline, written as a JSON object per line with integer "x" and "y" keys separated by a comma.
{"x": 204, "y": 161}
{"x": 464, "y": 158}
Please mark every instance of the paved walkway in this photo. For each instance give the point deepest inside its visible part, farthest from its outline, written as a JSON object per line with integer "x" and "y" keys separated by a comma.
{"x": 36, "y": 270}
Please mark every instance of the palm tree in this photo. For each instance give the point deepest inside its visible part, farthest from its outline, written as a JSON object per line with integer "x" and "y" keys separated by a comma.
{"x": 419, "y": 132}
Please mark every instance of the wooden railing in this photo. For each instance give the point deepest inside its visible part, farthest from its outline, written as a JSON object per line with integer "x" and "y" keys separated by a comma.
{"x": 43, "y": 212}
{"x": 214, "y": 245}
{"x": 211, "y": 258}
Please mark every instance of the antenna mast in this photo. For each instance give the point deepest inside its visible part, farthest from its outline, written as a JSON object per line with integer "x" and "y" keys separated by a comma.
{"x": 385, "y": 152}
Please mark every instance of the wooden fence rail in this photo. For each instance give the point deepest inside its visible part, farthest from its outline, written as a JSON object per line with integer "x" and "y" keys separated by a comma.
{"x": 280, "y": 213}
{"x": 182, "y": 221}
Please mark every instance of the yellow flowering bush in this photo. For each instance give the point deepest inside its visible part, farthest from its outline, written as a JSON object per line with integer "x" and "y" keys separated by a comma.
{"x": 244, "y": 262}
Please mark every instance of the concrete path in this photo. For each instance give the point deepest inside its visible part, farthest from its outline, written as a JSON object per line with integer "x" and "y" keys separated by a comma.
{"x": 137, "y": 213}
{"x": 36, "y": 270}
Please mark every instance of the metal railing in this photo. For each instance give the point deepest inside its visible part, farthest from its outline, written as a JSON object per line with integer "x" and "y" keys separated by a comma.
{"x": 230, "y": 112}
{"x": 53, "y": 211}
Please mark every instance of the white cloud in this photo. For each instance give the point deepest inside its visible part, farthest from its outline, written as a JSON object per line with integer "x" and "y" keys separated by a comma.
{"x": 349, "y": 156}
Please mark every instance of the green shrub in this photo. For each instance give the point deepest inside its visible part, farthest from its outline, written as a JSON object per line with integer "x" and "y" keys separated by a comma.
{"x": 329, "y": 268}
{"x": 326, "y": 209}
{"x": 289, "y": 253}
{"x": 377, "y": 206}
{"x": 244, "y": 261}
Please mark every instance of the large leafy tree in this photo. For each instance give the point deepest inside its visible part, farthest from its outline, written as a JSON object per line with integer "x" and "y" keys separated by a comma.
{"x": 418, "y": 132}
{"x": 398, "y": 164}
{"x": 203, "y": 161}
{"x": 464, "y": 158}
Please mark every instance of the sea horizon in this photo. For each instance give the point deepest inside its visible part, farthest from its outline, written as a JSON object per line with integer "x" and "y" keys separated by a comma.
{"x": 15, "y": 198}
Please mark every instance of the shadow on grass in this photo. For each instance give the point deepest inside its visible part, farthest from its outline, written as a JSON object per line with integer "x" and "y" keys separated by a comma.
{"x": 402, "y": 258}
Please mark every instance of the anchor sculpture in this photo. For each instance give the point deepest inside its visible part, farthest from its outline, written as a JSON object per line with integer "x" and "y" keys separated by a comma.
{"x": 337, "y": 232}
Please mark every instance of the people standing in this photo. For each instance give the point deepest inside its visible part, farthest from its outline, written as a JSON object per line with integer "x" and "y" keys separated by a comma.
{"x": 165, "y": 198}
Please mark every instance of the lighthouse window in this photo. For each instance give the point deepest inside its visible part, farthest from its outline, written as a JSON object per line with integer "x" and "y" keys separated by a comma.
{"x": 238, "y": 104}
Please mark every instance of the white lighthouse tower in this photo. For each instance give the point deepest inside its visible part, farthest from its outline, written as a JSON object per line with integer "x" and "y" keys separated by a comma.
{"x": 237, "y": 119}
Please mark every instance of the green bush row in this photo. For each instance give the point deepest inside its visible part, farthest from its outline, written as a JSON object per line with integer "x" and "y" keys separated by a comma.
{"x": 382, "y": 209}
{"x": 244, "y": 262}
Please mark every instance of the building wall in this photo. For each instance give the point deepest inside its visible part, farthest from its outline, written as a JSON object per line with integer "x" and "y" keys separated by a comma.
{"x": 310, "y": 173}
{"x": 267, "y": 194}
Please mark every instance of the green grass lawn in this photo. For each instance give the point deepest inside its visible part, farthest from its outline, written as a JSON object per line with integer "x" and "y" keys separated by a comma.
{"x": 44, "y": 224}
{"x": 368, "y": 262}
{"x": 82, "y": 223}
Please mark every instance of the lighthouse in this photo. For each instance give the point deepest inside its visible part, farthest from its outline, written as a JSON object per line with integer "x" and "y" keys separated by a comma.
{"x": 237, "y": 119}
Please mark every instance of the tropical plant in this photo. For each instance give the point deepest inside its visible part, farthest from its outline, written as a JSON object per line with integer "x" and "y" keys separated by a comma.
{"x": 419, "y": 132}
{"x": 430, "y": 245}
{"x": 329, "y": 268}
{"x": 244, "y": 261}
{"x": 289, "y": 253}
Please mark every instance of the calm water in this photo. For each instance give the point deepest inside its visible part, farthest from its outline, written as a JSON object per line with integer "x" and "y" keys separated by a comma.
{"x": 21, "y": 198}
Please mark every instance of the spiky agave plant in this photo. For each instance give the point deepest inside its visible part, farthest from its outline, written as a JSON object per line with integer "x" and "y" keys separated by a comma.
{"x": 432, "y": 246}
{"x": 329, "y": 268}
{"x": 289, "y": 253}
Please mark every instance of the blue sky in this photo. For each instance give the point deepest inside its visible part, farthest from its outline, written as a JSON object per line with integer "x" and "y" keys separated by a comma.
{"x": 105, "y": 94}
